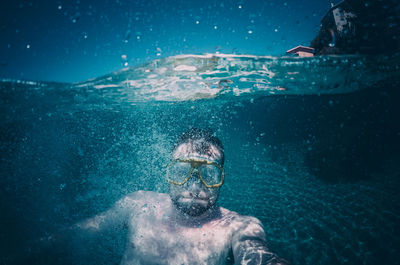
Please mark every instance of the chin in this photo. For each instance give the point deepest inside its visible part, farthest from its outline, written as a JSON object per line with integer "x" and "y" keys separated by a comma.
{"x": 192, "y": 208}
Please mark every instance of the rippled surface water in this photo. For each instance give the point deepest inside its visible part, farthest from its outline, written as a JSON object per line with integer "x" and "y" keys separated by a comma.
{"x": 312, "y": 149}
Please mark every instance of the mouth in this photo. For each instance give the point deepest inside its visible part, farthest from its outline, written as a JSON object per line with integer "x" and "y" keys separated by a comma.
{"x": 193, "y": 200}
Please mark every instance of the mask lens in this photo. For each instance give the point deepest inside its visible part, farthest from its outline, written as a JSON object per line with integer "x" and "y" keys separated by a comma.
{"x": 178, "y": 171}
{"x": 211, "y": 174}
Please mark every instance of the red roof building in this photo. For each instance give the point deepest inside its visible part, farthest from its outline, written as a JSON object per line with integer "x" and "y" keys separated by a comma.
{"x": 302, "y": 51}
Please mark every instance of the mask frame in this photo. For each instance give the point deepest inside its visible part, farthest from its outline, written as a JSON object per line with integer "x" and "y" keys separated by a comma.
{"x": 196, "y": 164}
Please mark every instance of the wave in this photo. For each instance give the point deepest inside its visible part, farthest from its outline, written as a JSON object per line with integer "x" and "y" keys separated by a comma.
{"x": 193, "y": 77}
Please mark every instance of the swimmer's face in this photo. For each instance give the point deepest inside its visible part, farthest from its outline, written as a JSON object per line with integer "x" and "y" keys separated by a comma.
{"x": 193, "y": 197}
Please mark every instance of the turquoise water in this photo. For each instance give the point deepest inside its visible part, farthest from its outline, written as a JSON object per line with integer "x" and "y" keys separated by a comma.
{"x": 311, "y": 146}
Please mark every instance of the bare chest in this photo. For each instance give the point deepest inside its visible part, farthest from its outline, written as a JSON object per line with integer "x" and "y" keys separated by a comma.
{"x": 159, "y": 239}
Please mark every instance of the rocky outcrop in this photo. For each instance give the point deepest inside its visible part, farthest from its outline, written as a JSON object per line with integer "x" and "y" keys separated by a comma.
{"x": 359, "y": 26}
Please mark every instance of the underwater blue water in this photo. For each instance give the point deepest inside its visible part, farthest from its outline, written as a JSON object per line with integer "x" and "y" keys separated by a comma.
{"x": 311, "y": 146}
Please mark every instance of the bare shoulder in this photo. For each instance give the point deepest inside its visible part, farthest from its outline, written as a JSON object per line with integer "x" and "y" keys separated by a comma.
{"x": 243, "y": 226}
{"x": 249, "y": 221}
{"x": 225, "y": 213}
{"x": 238, "y": 218}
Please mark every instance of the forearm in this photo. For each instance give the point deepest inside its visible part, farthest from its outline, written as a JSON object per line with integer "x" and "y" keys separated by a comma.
{"x": 66, "y": 245}
{"x": 255, "y": 252}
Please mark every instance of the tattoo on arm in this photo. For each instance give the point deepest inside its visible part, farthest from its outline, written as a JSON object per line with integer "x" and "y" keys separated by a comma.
{"x": 250, "y": 245}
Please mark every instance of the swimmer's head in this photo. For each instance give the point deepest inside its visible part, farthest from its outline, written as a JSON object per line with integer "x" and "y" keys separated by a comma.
{"x": 194, "y": 197}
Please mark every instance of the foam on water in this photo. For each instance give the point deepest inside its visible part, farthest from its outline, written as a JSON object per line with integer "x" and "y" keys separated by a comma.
{"x": 192, "y": 77}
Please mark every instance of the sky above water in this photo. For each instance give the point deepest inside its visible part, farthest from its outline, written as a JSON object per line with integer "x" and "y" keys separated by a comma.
{"x": 70, "y": 41}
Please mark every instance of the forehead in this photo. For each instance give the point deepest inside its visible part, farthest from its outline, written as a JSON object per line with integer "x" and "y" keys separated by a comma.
{"x": 198, "y": 149}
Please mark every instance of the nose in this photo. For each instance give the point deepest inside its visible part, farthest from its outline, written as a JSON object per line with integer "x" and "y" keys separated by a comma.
{"x": 194, "y": 182}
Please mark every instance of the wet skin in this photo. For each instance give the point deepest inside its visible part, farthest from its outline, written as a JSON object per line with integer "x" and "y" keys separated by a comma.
{"x": 184, "y": 226}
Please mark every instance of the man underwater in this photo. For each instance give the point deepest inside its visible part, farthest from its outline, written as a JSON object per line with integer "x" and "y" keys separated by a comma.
{"x": 186, "y": 226}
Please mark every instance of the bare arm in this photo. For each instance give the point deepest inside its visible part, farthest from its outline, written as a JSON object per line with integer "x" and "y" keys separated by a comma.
{"x": 114, "y": 218}
{"x": 250, "y": 246}
{"x": 74, "y": 238}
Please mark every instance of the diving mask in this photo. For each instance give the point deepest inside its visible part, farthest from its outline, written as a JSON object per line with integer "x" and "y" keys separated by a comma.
{"x": 211, "y": 174}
